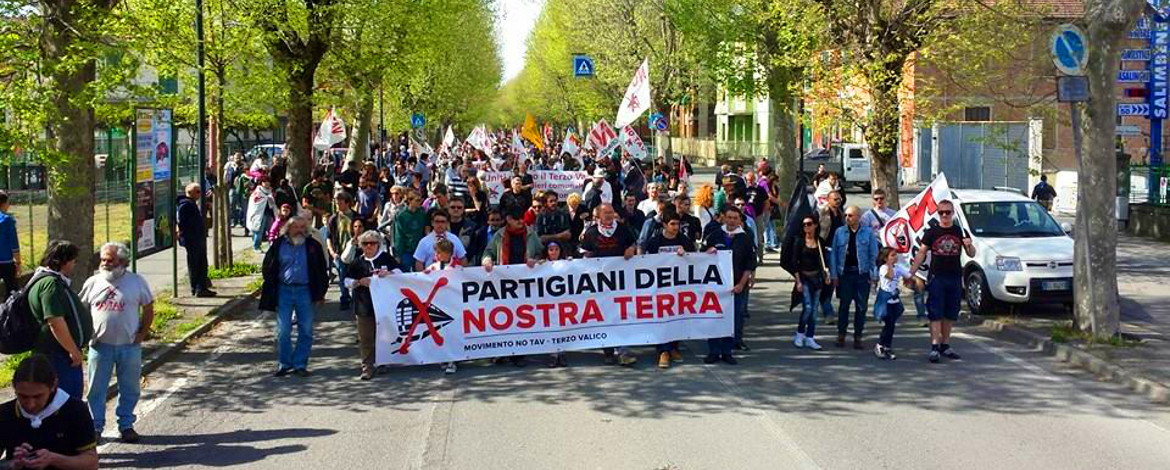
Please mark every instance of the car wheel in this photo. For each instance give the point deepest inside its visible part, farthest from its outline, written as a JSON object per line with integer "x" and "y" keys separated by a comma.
{"x": 979, "y": 299}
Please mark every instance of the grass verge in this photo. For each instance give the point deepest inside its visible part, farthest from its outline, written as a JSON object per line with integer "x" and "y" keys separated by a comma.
{"x": 9, "y": 366}
{"x": 235, "y": 270}
{"x": 1066, "y": 333}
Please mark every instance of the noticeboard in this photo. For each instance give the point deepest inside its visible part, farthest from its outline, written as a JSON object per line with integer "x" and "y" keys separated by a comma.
{"x": 152, "y": 200}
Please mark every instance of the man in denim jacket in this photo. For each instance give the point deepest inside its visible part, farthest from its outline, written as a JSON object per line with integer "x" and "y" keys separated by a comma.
{"x": 853, "y": 268}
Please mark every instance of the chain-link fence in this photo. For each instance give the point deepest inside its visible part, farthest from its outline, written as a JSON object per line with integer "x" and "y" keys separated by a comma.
{"x": 24, "y": 178}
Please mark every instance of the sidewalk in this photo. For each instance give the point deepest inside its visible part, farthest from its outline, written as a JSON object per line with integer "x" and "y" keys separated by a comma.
{"x": 1143, "y": 267}
{"x": 191, "y": 312}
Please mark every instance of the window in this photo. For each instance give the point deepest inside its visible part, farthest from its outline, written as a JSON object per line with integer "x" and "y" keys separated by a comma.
{"x": 977, "y": 113}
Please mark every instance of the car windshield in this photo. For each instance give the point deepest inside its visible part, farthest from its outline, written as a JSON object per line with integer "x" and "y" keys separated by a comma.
{"x": 1014, "y": 219}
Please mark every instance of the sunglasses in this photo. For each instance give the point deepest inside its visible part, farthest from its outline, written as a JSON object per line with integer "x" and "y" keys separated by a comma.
{"x": 879, "y": 199}
{"x": 809, "y": 224}
{"x": 369, "y": 243}
{"x": 946, "y": 212}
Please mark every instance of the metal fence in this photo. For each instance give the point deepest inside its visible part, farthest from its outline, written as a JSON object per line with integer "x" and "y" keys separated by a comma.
{"x": 1139, "y": 178}
{"x": 24, "y": 178}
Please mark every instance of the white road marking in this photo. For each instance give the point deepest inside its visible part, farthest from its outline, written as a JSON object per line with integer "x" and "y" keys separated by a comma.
{"x": 145, "y": 409}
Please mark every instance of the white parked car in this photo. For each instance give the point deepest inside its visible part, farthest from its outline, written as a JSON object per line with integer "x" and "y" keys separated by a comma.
{"x": 1022, "y": 254}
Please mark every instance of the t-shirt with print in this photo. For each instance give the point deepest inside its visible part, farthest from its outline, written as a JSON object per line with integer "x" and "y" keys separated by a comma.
{"x": 601, "y": 246}
{"x": 115, "y": 306}
{"x": 946, "y": 246}
{"x": 660, "y": 244}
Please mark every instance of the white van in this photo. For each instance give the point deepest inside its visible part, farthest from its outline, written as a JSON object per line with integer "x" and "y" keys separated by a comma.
{"x": 855, "y": 161}
{"x": 1023, "y": 256}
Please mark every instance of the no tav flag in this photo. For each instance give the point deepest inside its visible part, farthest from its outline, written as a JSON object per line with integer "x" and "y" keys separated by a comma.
{"x": 332, "y": 131}
{"x": 637, "y": 99}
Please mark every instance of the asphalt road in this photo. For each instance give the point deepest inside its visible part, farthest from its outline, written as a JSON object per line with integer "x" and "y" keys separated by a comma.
{"x": 1001, "y": 407}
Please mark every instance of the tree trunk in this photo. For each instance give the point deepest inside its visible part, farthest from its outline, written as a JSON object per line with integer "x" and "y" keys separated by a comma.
{"x": 786, "y": 155}
{"x": 70, "y": 127}
{"x": 221, "y": 230}
{"x": 299, "y": 148}
{"x": 1095, "y": 254}
{"x": 359, "y": 142}
{"x": 883, "y": 132}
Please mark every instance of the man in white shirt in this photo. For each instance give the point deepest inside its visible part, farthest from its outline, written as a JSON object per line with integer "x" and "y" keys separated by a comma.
{"x": 424, "y": 255}
{"x": 115, "y": 297}
{"x": 877, "y": 217}
{"x": 650, "y": 204}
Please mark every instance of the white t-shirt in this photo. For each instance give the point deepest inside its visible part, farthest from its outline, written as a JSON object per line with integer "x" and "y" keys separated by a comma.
{"x": 647, "y": 206}
{"x": 891, "y": 285}
{"x": 425, "y": 252}
{"x": 115, "y": 306}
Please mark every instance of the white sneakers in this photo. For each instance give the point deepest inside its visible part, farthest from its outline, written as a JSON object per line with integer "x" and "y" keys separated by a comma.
{"x": 812, "y": 344}
{"x": 798, "y": 341}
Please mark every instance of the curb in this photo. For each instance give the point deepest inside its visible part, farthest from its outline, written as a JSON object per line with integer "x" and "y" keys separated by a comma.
{"x": 1152, "y": 390}
{"x": 170, "y": 350}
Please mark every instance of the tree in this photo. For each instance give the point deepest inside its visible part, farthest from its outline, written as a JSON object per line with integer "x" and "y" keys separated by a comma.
{"x": 297, "y": 34}
{"x": 1095, "y": 268}
{"x": 756, "y": 48}
{"x": 49, "y": 86}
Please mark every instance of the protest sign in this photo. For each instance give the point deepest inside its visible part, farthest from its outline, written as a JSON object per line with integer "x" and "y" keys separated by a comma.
{"x": 563, "y": 182}
{"x": 468, "y": 313}
{"x": 632, "y": 143}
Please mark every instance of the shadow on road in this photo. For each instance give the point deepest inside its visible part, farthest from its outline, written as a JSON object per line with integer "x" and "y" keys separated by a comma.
{"x": 215, "y": 450}
{"x": 774, "y": 376}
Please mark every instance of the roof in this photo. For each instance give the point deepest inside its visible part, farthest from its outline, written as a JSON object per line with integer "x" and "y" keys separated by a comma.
{"x": 987, "y": 195}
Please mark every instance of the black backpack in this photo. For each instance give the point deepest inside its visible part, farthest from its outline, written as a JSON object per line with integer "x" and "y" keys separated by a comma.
{"x": 19, "y": 330}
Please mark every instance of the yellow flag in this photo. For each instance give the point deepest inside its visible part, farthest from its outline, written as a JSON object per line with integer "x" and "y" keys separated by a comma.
{"x": 530, "y": 132}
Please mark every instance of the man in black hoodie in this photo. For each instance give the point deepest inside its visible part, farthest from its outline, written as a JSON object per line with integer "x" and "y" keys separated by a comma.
{"x": 731, "y": 236}
{"x": 193, "y": 237}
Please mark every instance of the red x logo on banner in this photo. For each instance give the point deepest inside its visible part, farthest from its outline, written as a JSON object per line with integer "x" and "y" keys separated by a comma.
{"x": 424, "y": 315}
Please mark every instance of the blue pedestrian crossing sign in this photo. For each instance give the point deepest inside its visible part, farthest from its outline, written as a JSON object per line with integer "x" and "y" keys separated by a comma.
{"x": 417, "y": 121}
{"x": 1068, "y": 50}
{"x": 582, "y": 66}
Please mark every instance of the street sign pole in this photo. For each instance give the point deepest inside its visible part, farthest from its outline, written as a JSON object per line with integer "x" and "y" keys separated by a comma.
{"x": 1159, "y": 88}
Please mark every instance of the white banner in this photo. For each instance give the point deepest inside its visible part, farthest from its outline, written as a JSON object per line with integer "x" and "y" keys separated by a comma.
{"x": 552, "y": 307}
{"x": 563, "y": 182}
{"x": 637, "y": 99}
{"x": 601, "y": 136}
{"x": 904, "y": 230}
{"x": 632, "y": 143}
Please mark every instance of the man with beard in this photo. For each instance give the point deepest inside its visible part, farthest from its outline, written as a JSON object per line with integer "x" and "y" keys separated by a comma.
{"x": 608, "y": 238}
{"x": 294, "y": 280}
{"x": 115, "y": 296}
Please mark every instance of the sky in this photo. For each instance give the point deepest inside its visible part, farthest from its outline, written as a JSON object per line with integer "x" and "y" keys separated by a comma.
{"x": 514, "y": 20}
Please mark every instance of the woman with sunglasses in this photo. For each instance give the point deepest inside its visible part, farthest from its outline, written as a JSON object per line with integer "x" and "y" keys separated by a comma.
{"x": 373, "y": 261}
{"x": 808, "y": 264}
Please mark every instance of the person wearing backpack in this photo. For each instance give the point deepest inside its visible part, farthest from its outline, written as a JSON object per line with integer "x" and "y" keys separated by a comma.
{"x": 66, "y": 325}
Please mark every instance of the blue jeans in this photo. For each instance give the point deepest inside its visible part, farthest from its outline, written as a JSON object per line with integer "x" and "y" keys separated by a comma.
{"x": 69, "y": 378}
{"x": 257, "y": 238}
{"x": 341, "y": 269}
{"x": 770, "y": 239}
{"x": 812, "y": 299}
{"x": 852, "y": 288}
{"x": 920, "y": 303}
{"x": 294, "y": 298}
{"x": 104, "y": 361}
{"x": 722, "y": 346}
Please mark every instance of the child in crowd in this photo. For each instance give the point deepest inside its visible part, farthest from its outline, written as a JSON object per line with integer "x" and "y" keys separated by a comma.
{"x": 888, "y": 306}
{"x": 278, "y": 224}
{"x": 444, "y": 259}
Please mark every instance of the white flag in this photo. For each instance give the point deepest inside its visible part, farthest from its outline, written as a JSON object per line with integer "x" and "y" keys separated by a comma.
{"x": 602, "y": 137}
{"x": 637, "y": 99}
{"x": 904, "y": 229}
{"x": 448, "y": 140}
{"x": 632, "y": 143}
{"x": 332, "y": 131}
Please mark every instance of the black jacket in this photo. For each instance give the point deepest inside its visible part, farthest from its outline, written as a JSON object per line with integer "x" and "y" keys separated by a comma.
{"x": 743, "y": 250}
{"x": 318, "y": 276}
{"x": 362, "y": 268}
{"x": 190, "y": 222}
